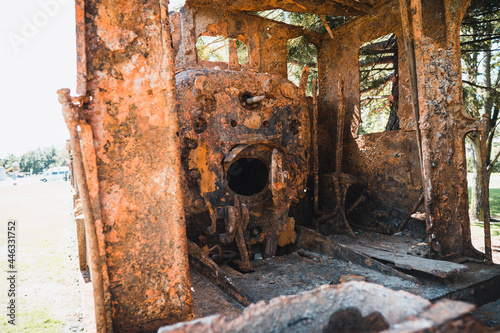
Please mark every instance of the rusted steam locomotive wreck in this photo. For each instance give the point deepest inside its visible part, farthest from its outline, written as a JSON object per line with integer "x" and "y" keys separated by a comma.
{"x": 191, "y": 171}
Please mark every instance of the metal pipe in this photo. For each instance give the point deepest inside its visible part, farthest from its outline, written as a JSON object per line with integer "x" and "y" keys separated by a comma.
{"x": 315, "y": 166}
{"x": 340, "y": 127}
{"x": 255, "y": 99}
{"x": 304, "y": 76}
{"x": 327, "y": 27}
{"x": 70, "y": 114}
{"x": 402, "y": 225}
{"x": 486, "y": 194}
{"x": 356, "y": 204}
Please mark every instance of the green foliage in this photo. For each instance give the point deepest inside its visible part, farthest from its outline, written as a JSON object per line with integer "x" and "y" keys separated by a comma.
{"x": 302, "y": 53}
{"x": 213, "y": 48}
{"x": 38, "y": 160}
{"x": 377, "y": 65}
{"x": 480, "y": 41}
{"x": 216, "y": 48}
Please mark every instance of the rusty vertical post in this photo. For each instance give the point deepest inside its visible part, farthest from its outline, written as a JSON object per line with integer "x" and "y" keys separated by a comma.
{"x": 434, "y": 36}
{"x": 410, "y": 53}
{"x": 233, "y": 55}
{"x": 304, "y": 76}
{"x": 70, "y": 114}
{"x": 486, "y": 192}
{"x": 129, "y": 77}
{"x": 340, "y": 127}
{"x": 315, "y": 166}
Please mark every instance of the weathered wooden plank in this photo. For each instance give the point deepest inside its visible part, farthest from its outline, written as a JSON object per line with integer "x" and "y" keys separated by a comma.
{"x": 442, "y": 269}
{"x": 315, "y": 242}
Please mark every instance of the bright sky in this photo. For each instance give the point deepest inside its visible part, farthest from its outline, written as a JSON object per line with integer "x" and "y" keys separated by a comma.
{"x": 37, "y": 57}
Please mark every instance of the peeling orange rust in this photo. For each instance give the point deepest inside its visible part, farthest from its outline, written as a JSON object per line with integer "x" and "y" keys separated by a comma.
{"x": 178, "y": 149}
{"x": 132, "y": 156}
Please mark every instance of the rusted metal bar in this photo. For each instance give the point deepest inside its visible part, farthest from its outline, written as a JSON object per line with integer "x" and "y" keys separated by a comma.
{"x": 315, "y": 166}
{"x": 203, "y": 264}
{"x": 82, "y": 243}
{"x": 402, "y": 225}
{"x": 410, "y": 52}
{"x": 316, "y": 242}
{"x": 340, "y": 126}
{"x": 233, "y": 55}
{"x": 364, "y": 8}
{"x": 356, "y": 204}
{"x": 327, "y": 27}
{"x": 70, "y": 113}
{"x": 255, "y": 99}
{"x": 486, "y": 193}
{"x": 304, "y": 76}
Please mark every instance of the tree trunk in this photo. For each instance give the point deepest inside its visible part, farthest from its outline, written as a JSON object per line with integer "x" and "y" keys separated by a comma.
{"x": 476, "y": 187}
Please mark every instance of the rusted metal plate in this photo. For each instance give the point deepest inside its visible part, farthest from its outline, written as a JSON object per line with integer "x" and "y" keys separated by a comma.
{"x": 327, "y": 7}
{"x": 315, "y": 242}
{"x": 439, "y": 268}
{"x": 131, "y": 109}
{"x": 438, "y": 67}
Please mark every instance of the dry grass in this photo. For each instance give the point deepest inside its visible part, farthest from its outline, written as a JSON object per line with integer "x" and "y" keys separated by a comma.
{"x": 47, "y": 264}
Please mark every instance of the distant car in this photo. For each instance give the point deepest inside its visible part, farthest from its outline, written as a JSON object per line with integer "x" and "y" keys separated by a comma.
{"x": 59, "y": 173}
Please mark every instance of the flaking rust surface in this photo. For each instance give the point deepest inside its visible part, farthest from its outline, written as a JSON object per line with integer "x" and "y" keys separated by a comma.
{"x": 134, "y": 122}
{"x": 437, "y": 55}
{"x": 216, "y": 130}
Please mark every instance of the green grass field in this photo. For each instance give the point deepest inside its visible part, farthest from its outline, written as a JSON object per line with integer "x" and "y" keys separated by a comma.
{"x": 477, "y": 227}
{"x": 494, "y": 195}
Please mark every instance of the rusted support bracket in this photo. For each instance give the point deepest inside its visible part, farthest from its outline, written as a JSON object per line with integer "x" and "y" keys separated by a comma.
{"x": 315, "y": 242}
{"x": 414, "y": 209}
{"x": 203, "y": 264}
{"x": 335, "y": 221}
{"x": 236, "y": 219}
{"x": 71, "y": 116}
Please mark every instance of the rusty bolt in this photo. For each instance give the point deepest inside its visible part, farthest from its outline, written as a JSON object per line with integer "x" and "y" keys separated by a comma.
{"x": 203, "y": 84}
{"x": 194, "y": 174}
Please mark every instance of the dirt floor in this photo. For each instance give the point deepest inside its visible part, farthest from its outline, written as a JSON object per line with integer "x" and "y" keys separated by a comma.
{"x": 48, "y": 291}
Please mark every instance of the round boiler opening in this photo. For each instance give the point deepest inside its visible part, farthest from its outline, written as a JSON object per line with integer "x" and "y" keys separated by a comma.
{"x": 247, "y": 176}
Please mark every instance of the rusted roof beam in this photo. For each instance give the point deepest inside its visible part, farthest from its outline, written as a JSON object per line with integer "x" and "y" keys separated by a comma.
{"x": 329, "y": 7}
{"x": 355, "y": 5}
